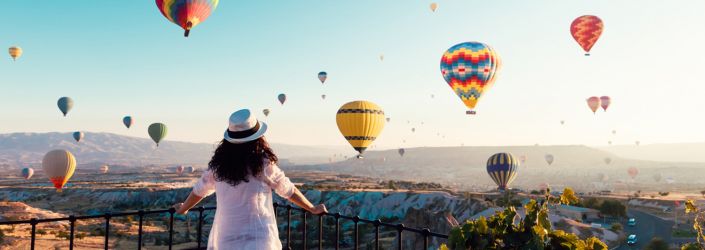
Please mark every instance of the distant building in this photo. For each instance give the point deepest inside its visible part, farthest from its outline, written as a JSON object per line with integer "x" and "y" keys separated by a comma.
{"x": 577, "y": 213}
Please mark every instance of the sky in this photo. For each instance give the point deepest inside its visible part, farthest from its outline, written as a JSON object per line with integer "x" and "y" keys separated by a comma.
{"x": 117, "y": 58}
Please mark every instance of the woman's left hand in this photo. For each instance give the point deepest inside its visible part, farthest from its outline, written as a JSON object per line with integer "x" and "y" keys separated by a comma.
{"x": 180, "y": 208}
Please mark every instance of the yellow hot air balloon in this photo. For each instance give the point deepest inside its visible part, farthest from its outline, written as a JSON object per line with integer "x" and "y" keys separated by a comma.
{"x": 15, "y": 52}
{"x": 434, "y": 6}
{"x": 59, "y": 165}
{"x": 360, "y": 122}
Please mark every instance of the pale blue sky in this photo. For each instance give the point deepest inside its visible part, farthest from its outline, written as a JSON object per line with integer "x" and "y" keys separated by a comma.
{"x": 123, "y": 57}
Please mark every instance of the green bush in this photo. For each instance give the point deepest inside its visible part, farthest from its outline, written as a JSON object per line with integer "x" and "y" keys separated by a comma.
{"x": 656, "y": 244}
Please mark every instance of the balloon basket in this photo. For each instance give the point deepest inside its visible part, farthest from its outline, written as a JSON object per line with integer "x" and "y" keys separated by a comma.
{"x": 470, "y": 112}
{"x": 587, "y": 54}
{"x": 360, "y": 156}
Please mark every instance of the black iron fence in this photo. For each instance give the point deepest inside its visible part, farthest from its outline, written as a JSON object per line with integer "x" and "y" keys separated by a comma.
{"x": 400, "y": 228}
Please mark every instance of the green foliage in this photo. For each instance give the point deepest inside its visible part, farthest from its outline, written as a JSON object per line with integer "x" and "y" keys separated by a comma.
{"x": 616, "y": 227}
{"x": 613, "y": 208}
{"x": 532, "y": 232}
{"x": 41, "y": 231}
{"x": 2, "y": 237}
{"x": 656, "y": 244}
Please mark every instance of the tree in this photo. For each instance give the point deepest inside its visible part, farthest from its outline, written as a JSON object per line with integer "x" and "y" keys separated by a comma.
{"x": 616, "y": 227}
{"x": 613, "y": 208}
{"x": 656, "y": 244}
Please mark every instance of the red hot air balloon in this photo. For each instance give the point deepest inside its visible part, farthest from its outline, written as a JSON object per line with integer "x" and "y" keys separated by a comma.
{"x": 632, "y": 171}
{"x": 186, "y": 13}
{"x": 586, "y": 30}
{"x": 593, "y": 103}
{"x": 605, "y": 102}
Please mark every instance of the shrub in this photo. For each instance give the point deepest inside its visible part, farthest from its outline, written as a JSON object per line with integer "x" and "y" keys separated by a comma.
{"x": 616, "y": 227}
{"x": 656, "y": 244}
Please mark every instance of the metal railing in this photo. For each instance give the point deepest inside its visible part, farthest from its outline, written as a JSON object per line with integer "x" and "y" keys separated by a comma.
{"x": 400, "y": 228}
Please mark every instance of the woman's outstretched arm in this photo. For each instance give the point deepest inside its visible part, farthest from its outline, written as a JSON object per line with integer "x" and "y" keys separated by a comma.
{"x": 205, "y": 186}
{"x": 190, "y": 202}
{"x": 300, "y": 200}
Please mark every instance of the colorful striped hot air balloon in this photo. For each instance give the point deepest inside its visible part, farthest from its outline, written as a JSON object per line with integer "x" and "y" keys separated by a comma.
{"x": 59, "y": 166}
{"x": 593, "y": 103}
{"x": 27, "y": 173}
{"x": 15, "y": 52}
{"x": 470, "y": 69}
{"x": 186, "y": 13}
{"x": 157, "y": 131}
{"x": 128, "y": 121}
{"x": 502, "y": 168}
{"x": 322, "y": 76}
{"x": 360, "y": 122}
{"x": 65, "y": 104}
{"x": 586, "y": 30}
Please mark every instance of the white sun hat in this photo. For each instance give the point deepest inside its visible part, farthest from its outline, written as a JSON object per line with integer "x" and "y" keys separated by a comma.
{"x": 244, "y": 127}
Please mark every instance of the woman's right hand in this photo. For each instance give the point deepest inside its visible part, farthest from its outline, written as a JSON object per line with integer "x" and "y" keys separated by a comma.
{"x": 319, "y": 209}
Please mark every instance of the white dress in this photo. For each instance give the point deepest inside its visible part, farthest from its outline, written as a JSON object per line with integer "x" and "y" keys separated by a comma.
{"x": 245, "y": 218}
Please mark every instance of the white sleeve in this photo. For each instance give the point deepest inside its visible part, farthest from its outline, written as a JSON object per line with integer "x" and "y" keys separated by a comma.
{"x": 275, "y": 179}
{"x": 205, "y": 185}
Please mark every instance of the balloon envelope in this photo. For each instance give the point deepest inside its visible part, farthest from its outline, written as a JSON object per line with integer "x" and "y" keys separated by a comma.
{"x": 322, "y": 76}
{"x": 593, "y": 103}
{"x": 78, "y": 136}
{"x": 402, "y": 151}
{"x": 104, "y": 169}
{"x": 127, "y": 120}
{"x": 323, "y": 97}
{"x": 633, "y": 172}
{"x": 179, "y": 169}
{"x": 434, "y": 6}
{"x": 586, "y": 30}
{"x": 27, "y": 173}
{"x": 549, "y": 159}
{"x": 470, "y": 69}
{"x": 186, "y": 13}
{"x": 65, "y": 104}
{"x": 15, "y": 52}
{"x": 157, "y": 131}
{"x": 360, "y": 122}
{"x": 502, "y": 168}
{"x": 605, "y": 102}
{"x": 281, "y": 98}
{"x": 266, "y": 112}
{"x": 189, "y": 169}
{"x": 59, "y": 166}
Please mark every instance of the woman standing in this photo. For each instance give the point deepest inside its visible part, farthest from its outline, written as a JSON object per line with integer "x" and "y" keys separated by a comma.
{"x": 244, "y": 171}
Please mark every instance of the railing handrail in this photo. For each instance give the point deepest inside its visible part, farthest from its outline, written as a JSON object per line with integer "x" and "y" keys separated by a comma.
{"x": 400, "y": 228}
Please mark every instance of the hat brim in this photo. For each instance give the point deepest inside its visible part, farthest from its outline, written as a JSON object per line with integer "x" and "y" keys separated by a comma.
{"x": 255, "y": 136}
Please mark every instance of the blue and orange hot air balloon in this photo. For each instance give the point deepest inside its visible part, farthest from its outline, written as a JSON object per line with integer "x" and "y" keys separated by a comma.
{"x": 470, "y": 69}
{"x": 187, "y": 13}
{"x": 502, "y": 168}
{"x": 586, "y": 30}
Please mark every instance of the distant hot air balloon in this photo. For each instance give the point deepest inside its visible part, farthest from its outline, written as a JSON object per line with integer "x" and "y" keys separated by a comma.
{"x": 633, "y": 172}
{"x": 657, "y": 177}
{"x": 562, "y": 122}
{"x": 605, "y": 102}
{"x": 609, "y": 142}
{"x": 282, "y": 98}
{"x": 127, "y": 121}
{"x": 608, "y": 160}
{"x": 549, "y": 158}
{"x": 27, "y": 173}
{"x": 434, "y": 6}
{"x": 104, "y": 169}
{"x": 523, "y": 159}
{"x": 593, "y": 103}
{"x": 189, "y": 169}
{"x": 65, "y": 104}
{"x": 322, "y": 76}
{"x": 470, "y": 69}
{"x": 78, "y": 136}
{"x": 323, "y": 97}
{"x": 502, "y": 168}
{"x": 670, "y": 180}
{"x": 266, "y": 112}
{"x": 381, "y": 57}
{"x": 388, "y": 119}
{"x": 187, "y": 13}
{"x": 157, "y": 131}
{"x": 614, "y": 132}
{"x": 586, "y": 30}
{"x": 637, "y": 143}
{"x": 15, "y": 52}
{"x": 402, "y": 151}
{"x": 433, "y": 96}
{"x": 59, "y": 166}
{"x": 179, "y": 170}
{"x": 360, "y": 122}
{"x": 413, "y": 130}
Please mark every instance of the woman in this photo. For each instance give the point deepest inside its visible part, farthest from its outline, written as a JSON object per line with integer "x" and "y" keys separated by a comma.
{"x": 243, "y": 171}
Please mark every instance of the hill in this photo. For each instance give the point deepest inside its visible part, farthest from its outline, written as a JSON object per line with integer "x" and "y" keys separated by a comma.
{"x": 671, "y": 152}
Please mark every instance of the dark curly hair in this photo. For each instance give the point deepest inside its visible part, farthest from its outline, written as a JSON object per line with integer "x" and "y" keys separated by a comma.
{"x": 233, "y": 163}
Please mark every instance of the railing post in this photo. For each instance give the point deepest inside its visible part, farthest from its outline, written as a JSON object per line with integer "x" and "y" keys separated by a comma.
{"x": 337, "y": 231}
{"x": 288, "y": 226}
{"x": 303, "y": 217}
{"x": 171, "y": 226}
{"x": 199, "y": 237}
{"x": 107, "y": 229}
{"x": 400, "y": 230}
{"x": 356, "y": 219}
{"x": 72, "y": 221}
{"x": 377, "y": 223}
{"x": 33, "y": 222}
{"x": 140, "y": 214}
{"x": 426, "y": 232}
{"x": 320, "y": 232}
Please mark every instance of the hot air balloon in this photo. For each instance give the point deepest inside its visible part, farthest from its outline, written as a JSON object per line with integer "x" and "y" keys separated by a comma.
{"x": 266, "y": 112}
{"x": 632, "y": 171}
{"x": 179, "y": 170}
{"x": 522, "y": 159}
{"x": 637, "y": 143}
{"x": 65, "y": 104}
{"x": 381, "y": 57}
{"x": 15, "y": 52}
{"x": 413, "y": 130}
{"x": 586, "y": 30}
{"x": 104, "y": 169}
{"x": 360, "y": 122}
{"x": 433, "y": 96}
{"x": 470, "y": 69}
{"x": 402, "y": 151}
{"x": 434, "y": 6}
{"x": 189, "y": 169}
{"x": 593, "y": 103}
{"x": 502, "y": 168}
{"x": 388, "y": 119}
{"x": 657, "y": 177}
{"x": 78, "y": 136}
{"x": 59, "y": 165}
{"x": 614, "y": 132}
{"x": 323, "y": 97}
{"x": 605, "y": 102}
{"x": 670, "y": 180}
{"x": 157, "y": 131}
{"x": 27, "y": 173}
{"x": 282, "y": 98}
{"x": 187, "y": 13}
{"x": 562, "y": 122}
{"x": 608, "y": 160}
{"x": 322, "y": 76}
{"x": 127, "y": 120}
{"x": 609, "y": 142}
{"x": 549, "y": 158}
